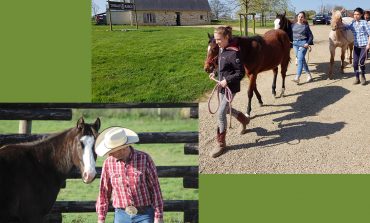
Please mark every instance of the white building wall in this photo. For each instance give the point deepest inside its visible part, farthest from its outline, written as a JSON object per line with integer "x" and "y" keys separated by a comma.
{"x": 164, "y": 18}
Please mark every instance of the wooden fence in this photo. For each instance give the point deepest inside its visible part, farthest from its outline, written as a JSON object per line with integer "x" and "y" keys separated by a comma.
{"x": 62, "y": 111}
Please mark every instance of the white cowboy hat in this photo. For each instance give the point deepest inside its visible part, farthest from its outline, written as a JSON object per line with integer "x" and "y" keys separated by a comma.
{"x": 113, "y": 137}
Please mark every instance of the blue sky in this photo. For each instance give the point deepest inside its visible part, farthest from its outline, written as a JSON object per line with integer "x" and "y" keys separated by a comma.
{"x": 301, "y": 5}
{"x": 298, "y": 4}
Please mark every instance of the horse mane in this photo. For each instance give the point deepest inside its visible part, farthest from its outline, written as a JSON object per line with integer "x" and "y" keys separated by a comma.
{"x": 336, "y": 17}
{"x": 244, "y": 39}
{"x": 40, "y": 148}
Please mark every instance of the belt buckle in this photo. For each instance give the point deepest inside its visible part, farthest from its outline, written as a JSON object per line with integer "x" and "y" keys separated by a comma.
{"x": 131, "y": 210}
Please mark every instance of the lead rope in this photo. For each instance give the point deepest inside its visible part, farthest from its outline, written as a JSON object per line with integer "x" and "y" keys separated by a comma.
{"x": 228, "y": 95}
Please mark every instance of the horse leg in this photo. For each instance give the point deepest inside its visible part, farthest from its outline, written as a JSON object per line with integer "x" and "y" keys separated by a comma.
{"x": 350, "y": 46}
{"x": 284, "y": 68}
{"x": 274, "y": 81}
{"x": 342, "y": 57}
{"x": 332, "y": 54}
{"x": 258, "y": 95}
{"x": 252, "y": 86}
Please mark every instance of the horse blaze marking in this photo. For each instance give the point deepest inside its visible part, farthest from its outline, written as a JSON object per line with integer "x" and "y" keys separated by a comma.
{"x": 88, "y": 156}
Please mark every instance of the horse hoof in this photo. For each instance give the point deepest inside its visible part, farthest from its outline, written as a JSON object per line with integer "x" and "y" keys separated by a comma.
{"x": 247, "y": 115}
{"x": 243, "y": 132}
{"x": 261, "y": 104}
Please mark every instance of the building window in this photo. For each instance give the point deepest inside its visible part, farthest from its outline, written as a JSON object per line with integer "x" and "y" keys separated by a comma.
{"x": 201, "y": 17}
{"x": 149, "y": 18}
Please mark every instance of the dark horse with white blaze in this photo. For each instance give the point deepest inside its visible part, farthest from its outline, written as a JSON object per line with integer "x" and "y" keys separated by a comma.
{"x": 258, "y": 54}
{"x": 31, "y": 174}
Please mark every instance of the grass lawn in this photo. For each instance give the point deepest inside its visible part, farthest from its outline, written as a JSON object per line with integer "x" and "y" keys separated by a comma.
{"x": 162, "y": 154}
{"x": 152, "y": 64}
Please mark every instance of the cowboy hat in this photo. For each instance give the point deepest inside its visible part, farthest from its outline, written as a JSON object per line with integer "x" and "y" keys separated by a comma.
{"x": 112, "y": 138}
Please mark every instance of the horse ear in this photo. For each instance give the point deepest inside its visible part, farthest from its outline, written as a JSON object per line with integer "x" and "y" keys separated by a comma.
{"x": 284, "y": 13}
{"x": 209, "y": 36}
{"x": 97, "y": 124}
{"x": 80, "y": 123}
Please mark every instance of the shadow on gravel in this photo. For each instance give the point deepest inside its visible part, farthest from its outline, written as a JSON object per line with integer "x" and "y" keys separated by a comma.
{"x": 291, "y": 133}
{"x": 322, "y": 69}
{"x": 309, "y": 103}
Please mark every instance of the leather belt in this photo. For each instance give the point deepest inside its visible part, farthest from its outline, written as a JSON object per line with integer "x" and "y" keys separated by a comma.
{"x": 140, "y": 210}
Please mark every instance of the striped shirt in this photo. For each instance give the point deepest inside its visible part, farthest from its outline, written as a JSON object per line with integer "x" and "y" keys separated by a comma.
{"x": 134, "y": 183}
{"x": 361, "y": 32}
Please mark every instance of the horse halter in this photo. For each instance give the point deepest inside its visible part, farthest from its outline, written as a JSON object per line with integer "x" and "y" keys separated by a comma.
{"x": 212, "y": 62}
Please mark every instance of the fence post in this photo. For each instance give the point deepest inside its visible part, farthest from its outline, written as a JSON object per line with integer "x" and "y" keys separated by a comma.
{"x": 191, "y": 216}
{"x": 25, "y": 126}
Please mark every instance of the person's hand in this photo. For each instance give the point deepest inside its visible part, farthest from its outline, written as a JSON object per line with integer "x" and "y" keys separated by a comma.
{"x": 101, "y": 221}
{"x": 368, "y": 47}
{"x": 158, "y": 221}
{"x": 305, "y": 45}
{"x": 211, "y": 75}
{"x": 223, "y": 83}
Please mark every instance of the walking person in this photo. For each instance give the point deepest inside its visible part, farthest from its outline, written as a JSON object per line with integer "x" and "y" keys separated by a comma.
{"x": 361, "y": 31}
{"x": 230, "y": 73}
{"x": 129, "y": 178}
{"x": 302, "y": 38}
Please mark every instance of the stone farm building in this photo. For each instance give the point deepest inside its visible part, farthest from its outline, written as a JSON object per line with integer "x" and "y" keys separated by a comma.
{"x": 165, "y": 12}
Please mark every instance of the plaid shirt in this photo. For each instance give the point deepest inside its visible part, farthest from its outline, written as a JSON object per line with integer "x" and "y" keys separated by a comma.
{"x": 361, "y": 32}
{"x": 133, "y": 183}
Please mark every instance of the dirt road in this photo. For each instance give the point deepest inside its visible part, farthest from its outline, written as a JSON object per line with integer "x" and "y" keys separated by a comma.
{"x": 318, "y": 127}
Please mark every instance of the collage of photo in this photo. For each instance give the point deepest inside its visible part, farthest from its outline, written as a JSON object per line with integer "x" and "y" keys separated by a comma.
{"x": 185, "y": 90}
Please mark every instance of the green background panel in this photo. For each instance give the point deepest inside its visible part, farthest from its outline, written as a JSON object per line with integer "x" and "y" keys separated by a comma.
{"x": 285, "y": 198}
{"x": 45, "y": 51}
{"x": 46, "y": 57}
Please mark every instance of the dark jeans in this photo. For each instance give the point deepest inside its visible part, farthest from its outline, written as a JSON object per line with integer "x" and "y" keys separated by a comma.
{"x": 120, "y": 216}
{"x": 359, "y": 55}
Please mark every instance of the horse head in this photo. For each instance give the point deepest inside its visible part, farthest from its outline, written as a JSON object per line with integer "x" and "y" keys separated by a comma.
{"x": 212, "y": 55}
{"x": 336, "y": 21}
{"x": 83, "y": 152}
{"x": 281, "y": 22}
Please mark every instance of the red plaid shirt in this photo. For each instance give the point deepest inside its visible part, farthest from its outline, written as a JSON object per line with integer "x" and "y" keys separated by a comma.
{"x": 133, "y": 183}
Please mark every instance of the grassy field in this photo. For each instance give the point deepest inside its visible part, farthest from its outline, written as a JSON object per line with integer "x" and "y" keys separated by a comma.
{"x": 152, "y": 64}
{"x": 162, "y": 154}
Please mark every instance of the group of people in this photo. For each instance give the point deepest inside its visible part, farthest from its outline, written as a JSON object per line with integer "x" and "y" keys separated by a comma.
{"x": 231, "y": 72}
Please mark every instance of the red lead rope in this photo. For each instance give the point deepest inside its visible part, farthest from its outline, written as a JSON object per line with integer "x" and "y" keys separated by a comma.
{"x": 228, "y": 95}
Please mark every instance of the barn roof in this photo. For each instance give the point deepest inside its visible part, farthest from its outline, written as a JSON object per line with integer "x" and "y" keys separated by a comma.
{"x": 173, "y": 5}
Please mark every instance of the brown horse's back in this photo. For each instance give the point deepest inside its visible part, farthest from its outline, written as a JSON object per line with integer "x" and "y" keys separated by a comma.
{"x": 265, "y": 53}
{"x": 277, "y": 48}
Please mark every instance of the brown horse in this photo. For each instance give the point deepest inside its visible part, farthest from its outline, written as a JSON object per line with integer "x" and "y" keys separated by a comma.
{"x": 339, "y": 37}
{"x": 31, "y": 174}
{"x": 258, "y": 54}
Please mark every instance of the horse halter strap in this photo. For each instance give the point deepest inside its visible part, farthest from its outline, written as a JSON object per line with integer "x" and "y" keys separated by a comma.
{"x": 212, "y": 60}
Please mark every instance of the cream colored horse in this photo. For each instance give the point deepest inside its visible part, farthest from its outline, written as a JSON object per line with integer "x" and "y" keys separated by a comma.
{"x": 339, "y": 37}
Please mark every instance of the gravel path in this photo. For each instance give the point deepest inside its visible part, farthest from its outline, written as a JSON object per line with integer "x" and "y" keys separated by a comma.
{"x": 318, "y": 127}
